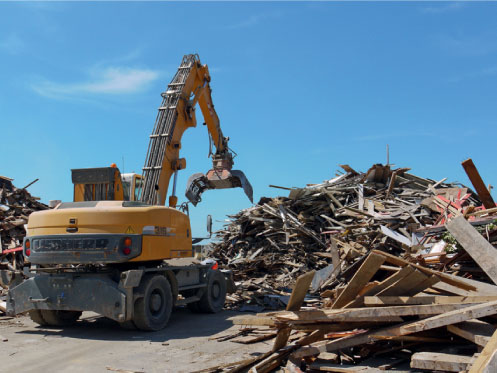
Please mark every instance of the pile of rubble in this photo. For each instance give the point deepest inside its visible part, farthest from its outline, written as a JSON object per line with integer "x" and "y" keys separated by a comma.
{"x": 390, "y": 315}
{"x": 405, "y": 268}
{"x": 15, "y": 206}
{"x": 331, "y": 227}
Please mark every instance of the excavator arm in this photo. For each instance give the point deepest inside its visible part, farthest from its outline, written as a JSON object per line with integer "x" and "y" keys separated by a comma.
{"x": 189, "y": 87}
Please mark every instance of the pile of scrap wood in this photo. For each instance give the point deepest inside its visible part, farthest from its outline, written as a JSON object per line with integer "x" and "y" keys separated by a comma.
{"x": 391, "y": 314}
{"x": 333, "y": 226}
{"x": 15, "y": 206}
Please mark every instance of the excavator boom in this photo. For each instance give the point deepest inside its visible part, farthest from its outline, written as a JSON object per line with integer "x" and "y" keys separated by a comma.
{"x": 190, "y": 86}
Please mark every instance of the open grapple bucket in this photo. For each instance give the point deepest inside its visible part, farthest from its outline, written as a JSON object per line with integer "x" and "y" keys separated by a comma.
{"x": 221, "y": 176}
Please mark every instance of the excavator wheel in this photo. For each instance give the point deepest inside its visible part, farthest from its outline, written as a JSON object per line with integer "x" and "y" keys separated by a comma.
{"x": 59, "y": 317}
{"x": 213, "y": 299}
{"x": 152, "y": 312}
{"x": 36, "y": 316}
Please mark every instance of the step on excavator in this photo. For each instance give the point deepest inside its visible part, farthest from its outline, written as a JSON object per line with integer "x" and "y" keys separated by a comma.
{"x": 116, "y": 249}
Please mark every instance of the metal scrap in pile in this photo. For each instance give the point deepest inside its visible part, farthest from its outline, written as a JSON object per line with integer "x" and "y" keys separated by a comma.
{"x": 16, "y": 204}
{"x": 333, "y": 226}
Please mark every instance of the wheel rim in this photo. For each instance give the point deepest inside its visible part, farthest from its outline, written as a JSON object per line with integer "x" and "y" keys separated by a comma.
{"x": 156, "y": 303}
{"x": 216, "y": 290}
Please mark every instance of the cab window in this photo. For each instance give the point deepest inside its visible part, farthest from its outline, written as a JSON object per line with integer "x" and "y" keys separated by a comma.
{"x": 138, "y": 188}
{"x": 126, "y": 190}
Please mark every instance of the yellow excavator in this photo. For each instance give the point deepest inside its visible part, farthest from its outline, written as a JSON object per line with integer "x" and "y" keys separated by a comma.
{"x": 116, "y": 249}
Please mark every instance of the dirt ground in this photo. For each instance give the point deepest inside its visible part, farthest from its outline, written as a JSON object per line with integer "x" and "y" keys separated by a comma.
{"x": 97, "y": 344}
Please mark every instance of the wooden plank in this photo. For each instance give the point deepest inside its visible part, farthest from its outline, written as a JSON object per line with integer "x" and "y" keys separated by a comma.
{"x": 487, "y": 357}
{"x": 441, "y": 361}
{"x": 478, "y": 184}
{"x": 270, "y": 363}
{"x": 482, "y": 288}
{"x": 391, "y": 184}
{"x": 404, "y": 285}
{"x": 222, "y": 366}
{"x": 281, "y": 338}
{"x": 448, "y": 318}
{"x": 299, "y": 291}
{"x": 366, "y": 271}
{"x": 475, "y": 245}
{"x": 315, "y": 336}
{"x": 296, "y": 299}
{"x": 244, "y": 364}
{"x": 413, "y": 338}
{"x": 360, "y": 196}
{"x": 423, "y": 285}
{"x": 476, "y": 331}
{"x": 447, "y": 288}
{"x": 253, "y": 320}
{"x": 397, "y": 301}
{"x": 339, "y": 327}
{"x": 452, "y": 280}
{"x": 292, "y": 366}
{"x": 366, "y": 314}
{"x": 405, "y": 271}
{"x": 338, "y": 368}
{"x": 482, "y": 212}
{"x": 249, "y": 339}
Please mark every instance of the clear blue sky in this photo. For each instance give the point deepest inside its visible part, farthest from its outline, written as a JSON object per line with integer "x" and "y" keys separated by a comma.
{"x": 299, "y": 88}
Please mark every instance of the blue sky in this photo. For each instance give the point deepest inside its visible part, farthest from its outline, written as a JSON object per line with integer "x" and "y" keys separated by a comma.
{"x": 299, "y": 89}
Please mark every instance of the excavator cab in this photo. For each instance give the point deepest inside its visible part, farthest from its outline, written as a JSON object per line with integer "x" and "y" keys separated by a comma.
{"x": 105, "y": 184}
{"x": 132, "y": 186}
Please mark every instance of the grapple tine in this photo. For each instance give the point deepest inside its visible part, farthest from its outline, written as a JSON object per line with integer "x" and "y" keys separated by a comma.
{"x": 244, "y": 183}
{"x": 195, "y": 186}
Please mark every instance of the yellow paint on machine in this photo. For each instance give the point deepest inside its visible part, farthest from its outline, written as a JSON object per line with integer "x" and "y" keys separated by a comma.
{"x": 112, "y": 217}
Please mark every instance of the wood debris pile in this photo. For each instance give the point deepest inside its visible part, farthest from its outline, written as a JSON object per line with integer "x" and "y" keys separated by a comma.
{"x": 332, "y": 227}
{"x": 391, "y": 315}
{"x": 428, "y": 304}
{"x": 15, "y": 206}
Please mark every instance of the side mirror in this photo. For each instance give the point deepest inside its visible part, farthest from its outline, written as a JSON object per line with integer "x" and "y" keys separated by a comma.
{"x": 209, "y": 225}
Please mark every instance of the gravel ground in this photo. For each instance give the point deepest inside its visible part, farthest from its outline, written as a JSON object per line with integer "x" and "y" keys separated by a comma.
{"x": 97, "y": 344}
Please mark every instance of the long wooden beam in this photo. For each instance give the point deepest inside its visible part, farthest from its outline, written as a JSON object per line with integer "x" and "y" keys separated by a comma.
{"x": 448, "y": 318}
{"x": 482, "y": 252}
{"x": 452, "y": 280}
{"x": 435, "y": 299}
{"x": 478, "y": 184}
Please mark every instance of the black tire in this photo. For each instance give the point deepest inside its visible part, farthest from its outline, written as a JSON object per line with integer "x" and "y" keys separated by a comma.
{"x": 36, "y": 316}
{"x": 59, "y": 317}
{"x": 213, "y": 299}
{"x": 152, "y": 312}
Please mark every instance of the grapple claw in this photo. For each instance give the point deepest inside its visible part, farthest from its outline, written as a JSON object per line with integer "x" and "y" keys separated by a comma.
{"x": 216, "y": 179}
